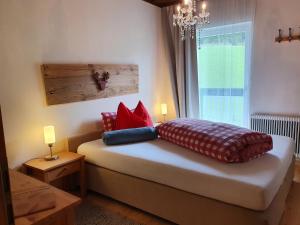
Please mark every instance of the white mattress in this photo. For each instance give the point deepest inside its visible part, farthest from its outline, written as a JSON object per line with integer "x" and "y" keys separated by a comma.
{"x": 251, "y": 185}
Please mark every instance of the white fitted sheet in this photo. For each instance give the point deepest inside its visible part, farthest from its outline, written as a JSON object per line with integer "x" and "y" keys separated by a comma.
{"x": 251, "y": 185}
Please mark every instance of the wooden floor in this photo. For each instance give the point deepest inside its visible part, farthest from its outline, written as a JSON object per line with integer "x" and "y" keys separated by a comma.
{"x": 126, "y": 211}
{"x": 291, "y": 216}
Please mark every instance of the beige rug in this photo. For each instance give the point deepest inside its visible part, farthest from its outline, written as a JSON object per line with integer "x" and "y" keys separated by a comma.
{"x": 90, "y": 214}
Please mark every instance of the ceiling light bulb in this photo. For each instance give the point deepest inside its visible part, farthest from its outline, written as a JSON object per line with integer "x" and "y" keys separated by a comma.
{"x": 186, "y": 2}
{"x": 204, "y": 5}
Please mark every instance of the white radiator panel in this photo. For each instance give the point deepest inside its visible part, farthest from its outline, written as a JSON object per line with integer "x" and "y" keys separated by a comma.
{"x": 288, "y": 126}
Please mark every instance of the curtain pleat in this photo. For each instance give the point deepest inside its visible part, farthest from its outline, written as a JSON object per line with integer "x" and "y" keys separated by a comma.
{"x": 227, "y": 12}
{"x": 183, "y": 67}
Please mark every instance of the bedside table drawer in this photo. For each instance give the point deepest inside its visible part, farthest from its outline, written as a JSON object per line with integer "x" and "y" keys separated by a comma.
{"x": 63, "y": 171}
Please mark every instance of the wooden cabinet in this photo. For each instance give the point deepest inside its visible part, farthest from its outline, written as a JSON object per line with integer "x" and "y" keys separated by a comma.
{"x": 6, "y": 212}
{"x": 62, "y": 214}
{"x": 49, "y": 171}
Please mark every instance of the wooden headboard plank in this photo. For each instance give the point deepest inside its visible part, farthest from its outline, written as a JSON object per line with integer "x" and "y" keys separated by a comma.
{"x": 75, "y": 142}
{"x": 66, "y": 83}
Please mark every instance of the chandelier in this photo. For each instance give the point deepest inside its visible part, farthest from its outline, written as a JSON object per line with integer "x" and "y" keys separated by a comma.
{"x": 188, "y": 20}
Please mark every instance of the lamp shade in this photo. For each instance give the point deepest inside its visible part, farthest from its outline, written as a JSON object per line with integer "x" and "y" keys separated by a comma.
{"x": 49, "y": 134}
{"x": 164, "y": 109}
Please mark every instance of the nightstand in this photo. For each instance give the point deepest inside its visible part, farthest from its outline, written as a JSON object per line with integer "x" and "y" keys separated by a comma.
{"x": 49, "y": 171}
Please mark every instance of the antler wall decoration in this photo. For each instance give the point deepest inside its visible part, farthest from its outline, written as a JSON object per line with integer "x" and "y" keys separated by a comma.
{"x": 101, "y": 80}
{"x": 288, "y": 38}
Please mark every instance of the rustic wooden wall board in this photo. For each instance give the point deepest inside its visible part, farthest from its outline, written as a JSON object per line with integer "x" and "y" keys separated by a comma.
{"x": 66, "y": 83}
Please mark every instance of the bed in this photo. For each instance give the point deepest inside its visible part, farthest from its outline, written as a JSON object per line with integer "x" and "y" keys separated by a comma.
{"x": 186, "y": 188}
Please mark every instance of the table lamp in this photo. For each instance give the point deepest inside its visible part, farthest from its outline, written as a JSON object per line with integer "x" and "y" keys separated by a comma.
{"x": 164, "y": 110}
{"x": 49, "y": 135}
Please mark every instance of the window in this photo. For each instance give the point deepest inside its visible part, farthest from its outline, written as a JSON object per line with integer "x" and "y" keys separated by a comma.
{"x": 223, "y": 68}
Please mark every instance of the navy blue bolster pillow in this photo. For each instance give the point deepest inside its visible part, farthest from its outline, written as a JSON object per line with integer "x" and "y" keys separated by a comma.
{"x": 128, "y": 136}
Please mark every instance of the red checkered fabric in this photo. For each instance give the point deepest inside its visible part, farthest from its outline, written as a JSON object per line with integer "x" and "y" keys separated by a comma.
{"x": 224, "y": 142}
{"x": 109, "y": 120}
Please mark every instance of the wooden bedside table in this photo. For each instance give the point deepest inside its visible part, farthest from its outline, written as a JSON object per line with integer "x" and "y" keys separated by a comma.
{"x": 67, "y": 164}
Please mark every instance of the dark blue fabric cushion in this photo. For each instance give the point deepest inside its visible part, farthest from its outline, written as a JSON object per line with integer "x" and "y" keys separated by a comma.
{"x": 128, "y": 136}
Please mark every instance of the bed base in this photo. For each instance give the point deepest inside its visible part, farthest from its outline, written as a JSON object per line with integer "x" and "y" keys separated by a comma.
{"x": 179, "y": 206}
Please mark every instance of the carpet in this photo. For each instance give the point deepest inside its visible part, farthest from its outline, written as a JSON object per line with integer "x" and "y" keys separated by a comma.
{"x": 89, "y": 214}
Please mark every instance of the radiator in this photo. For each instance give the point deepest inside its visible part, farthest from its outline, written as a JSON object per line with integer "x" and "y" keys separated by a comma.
{"x": 288, "y": 126}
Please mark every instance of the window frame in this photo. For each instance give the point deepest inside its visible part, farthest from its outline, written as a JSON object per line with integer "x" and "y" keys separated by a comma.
{"x": 244, "y": 27}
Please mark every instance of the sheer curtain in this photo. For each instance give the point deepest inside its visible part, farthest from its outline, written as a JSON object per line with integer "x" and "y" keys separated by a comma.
{"x": 224, "y": 61}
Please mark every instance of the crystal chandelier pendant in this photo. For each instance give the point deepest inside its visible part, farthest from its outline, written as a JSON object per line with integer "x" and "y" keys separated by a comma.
{"x": 189, "y": 20}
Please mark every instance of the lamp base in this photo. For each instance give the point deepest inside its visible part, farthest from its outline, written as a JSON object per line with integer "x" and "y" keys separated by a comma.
{"x": 51, "y": 158}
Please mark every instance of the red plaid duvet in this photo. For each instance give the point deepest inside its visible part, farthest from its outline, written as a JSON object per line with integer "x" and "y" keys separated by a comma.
{"x": 224, "y": 142}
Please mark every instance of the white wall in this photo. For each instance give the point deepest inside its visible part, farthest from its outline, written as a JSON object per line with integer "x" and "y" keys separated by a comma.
{"x": 275, "y": 80}
{"x": 34, "y": 32}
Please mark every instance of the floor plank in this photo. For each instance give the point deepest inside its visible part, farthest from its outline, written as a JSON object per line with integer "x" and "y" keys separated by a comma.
{"x": 291, "y": 216}
{"x": 292, "y": 213}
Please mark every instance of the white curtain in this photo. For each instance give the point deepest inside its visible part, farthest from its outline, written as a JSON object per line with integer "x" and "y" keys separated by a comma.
{"x": 224, "y": 61}
{"x": 226, "y": 12}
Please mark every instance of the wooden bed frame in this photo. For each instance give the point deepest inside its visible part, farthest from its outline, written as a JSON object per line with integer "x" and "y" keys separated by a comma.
{"x": 175, "y": 205}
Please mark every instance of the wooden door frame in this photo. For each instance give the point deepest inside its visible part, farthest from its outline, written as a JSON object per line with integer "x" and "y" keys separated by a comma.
{"x": 6, "y": 209}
